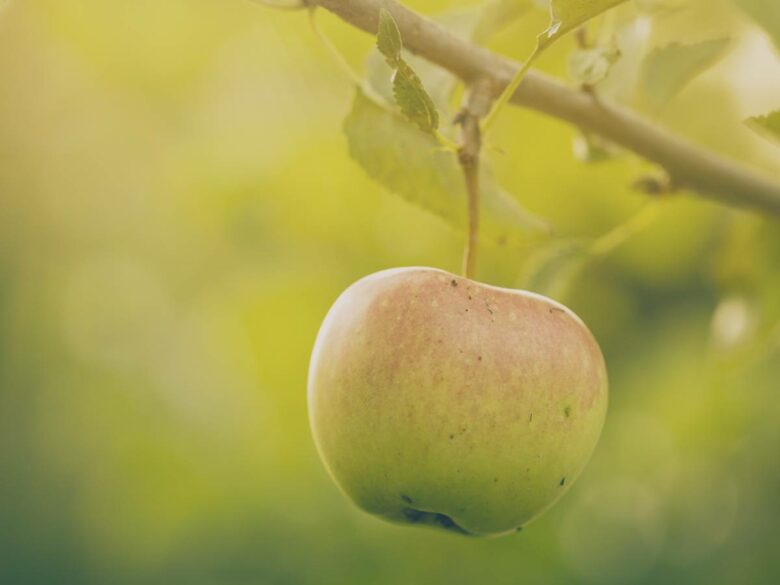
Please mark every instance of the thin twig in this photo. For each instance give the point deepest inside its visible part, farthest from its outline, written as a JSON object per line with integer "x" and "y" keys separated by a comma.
{"x": 510, "y": 90}
{"x": 690, "y": 167}
{"x": 334, "y": 53}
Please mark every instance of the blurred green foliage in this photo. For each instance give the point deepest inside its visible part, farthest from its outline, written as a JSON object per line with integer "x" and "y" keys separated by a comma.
{"x": 178, "y": 210}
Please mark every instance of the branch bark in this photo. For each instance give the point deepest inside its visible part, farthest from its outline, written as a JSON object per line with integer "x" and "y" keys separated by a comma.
{"x": 690, "y": 167}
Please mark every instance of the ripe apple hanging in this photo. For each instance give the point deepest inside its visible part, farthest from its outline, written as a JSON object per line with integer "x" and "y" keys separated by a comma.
{"x": 442, "y": 401}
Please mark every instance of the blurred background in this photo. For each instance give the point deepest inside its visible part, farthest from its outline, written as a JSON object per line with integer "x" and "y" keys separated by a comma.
{"x": 178, "y": 210}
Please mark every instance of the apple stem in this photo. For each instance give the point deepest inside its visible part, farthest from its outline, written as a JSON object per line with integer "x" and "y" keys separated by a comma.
{"x": 471, "y": 175}
{"x": 477, "y": 106}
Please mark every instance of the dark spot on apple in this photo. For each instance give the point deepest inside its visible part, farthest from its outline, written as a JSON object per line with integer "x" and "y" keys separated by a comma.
{"x": 452, "y": 437}
{"x": 563, "y": 481}
{"x": 467, "y": 310}
{"x": 519, "y": 529}
{"x": 528, "y": 470}
{"x": 454, "y": 282}
{"x": 412, "y": 515}
{"x": 479, "y": 358}
{"x": 439, "y": 341}
{"x": 407, "y": 499}
{"x": 469, "y": 297}
{"x": 530, "y": 417}
{"x": 495, "y": 480}
{"x": 556, "y": 309}
{"x": 567, "y": 411}
{"x": 448, "y": 523}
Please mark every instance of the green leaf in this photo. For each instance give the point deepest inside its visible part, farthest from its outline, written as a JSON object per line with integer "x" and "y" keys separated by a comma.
{"x": 408, "y": 90}
{"x": 411, "y": 164}
{"x": 567, "y": 15}
{"x": 438, "y": 82}
{"x": 666, "y": 71}
{"x": 476, "y": 23}
{"x": 766, "y": 13}
{"x": 388, "y": 38}
{"x": 768, "y": 125}
{"x": 414, "y": 101}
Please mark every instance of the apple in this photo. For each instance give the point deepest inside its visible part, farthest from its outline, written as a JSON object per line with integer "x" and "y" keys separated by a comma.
{"x": 438, "y": 400}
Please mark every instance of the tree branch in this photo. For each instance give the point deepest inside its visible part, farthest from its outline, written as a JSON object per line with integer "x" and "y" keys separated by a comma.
{"x": 689, "y": 166}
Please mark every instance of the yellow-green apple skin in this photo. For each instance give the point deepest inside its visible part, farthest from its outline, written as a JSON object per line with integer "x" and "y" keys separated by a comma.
{"x": 438, "y": 400}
